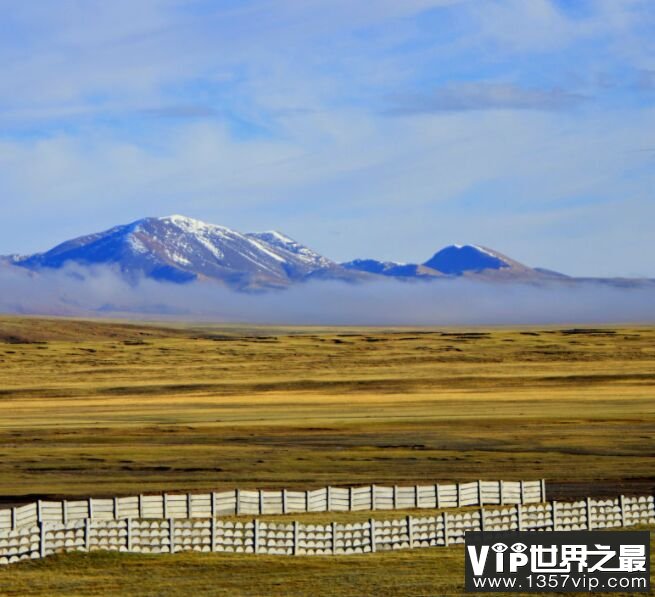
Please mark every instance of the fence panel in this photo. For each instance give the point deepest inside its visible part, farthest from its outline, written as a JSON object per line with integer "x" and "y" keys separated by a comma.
{"x": 427, "y": 496}
{"x": 7, "y": 518}
{"x": 255, "y": 502}
{"x": 225, "y": 502}
{"x": 25, "y": 515}
{"x": 448, "y": 496}
{"x": 361, "y": 498}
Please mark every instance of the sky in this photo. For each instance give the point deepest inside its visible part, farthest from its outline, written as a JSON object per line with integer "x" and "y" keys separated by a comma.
{"x": 383, "y": 129}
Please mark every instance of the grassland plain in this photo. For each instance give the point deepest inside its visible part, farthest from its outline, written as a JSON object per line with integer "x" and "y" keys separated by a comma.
{"x": 102, "y": 409}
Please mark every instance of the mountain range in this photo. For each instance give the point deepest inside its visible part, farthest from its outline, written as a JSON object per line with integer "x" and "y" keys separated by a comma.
{"x": 180, "y": 249}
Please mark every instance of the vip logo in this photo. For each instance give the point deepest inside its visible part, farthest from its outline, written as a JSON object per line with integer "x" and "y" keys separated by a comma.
{"x": 515, "y": 559}
{"x": 559, "y": 560}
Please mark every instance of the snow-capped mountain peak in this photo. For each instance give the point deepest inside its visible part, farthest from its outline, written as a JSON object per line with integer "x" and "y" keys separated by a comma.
{"x": 453, "y": 260}
{"x": 459, "y": 259}
{"x": 178, "y": 248}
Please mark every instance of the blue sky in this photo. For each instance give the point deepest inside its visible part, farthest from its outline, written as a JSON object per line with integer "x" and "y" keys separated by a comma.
{"x": 364, "y": 129}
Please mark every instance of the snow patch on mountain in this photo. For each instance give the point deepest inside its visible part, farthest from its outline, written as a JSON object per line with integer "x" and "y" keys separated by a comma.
{"x": 281, "y": 241}
{"x": 483, "y": 250}
{"x": 136, "y": 245}
{"x": 263, "y": 248}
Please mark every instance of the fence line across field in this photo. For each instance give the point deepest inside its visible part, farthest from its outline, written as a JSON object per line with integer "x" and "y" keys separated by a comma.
{"x": 170, "y": 535}
{"x": 285, "y": 501}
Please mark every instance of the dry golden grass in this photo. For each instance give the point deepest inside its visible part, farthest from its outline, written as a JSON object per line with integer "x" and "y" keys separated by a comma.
{"x": 88, "y": 408}
{"x": 128, "y": 409}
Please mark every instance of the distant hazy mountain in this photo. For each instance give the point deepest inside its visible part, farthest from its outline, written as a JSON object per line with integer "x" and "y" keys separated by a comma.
{"x": 180, "y": 249}
{"x": 459, "y": 259}
{"x": 391, "y": 268}
{"x": 454, "y": 260}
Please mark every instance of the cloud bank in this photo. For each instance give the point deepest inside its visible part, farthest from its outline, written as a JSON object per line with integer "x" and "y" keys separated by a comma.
{"x": 102, "y": 292}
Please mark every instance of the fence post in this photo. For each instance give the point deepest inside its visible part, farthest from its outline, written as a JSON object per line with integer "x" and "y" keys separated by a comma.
{"x": 589, "y": 518}
{"x": 482, "y": 525}
{"x": 334, "y": 537}
{"x": 459, "y": 494}
{"x": 371, "y": 525}
{"x": 542, "y": 487}
{"x": 445, "y": 529}
{"x": 501, "y": 497}
{"x": 237, "y": 501}
{"x": 13, "y": 518}
{"x": 189, "y": 505}
{"x": 328, "y": 499}
{"x": 261, "y": 502}
{"x": 255, "y": 535}
{"x": 519, "y": 516}
{"x": 372, "y": 497}
{"x": 410, "y": 532}
{"x": 395, "y": 497}
{"x": 212, "y": 531}
{"x": 140, "y": 506}
{"x": 64, "y": 512}
{"x": 212, "y": 504}
{"x": 415, "y": 496}
{"x": 87, "y": 534}
{"x": 622, "y": 506}
{"x": 171, "y": 534}
{"x": 90, "y": 507}
{"x": 554, "y": 512}
{"x": 39, "y": 515}
{"x": 284, "y": 501}
{"x": 306, "y": 500}
{"x": 436, "y": 495}
{"x": 295, "y": 537}
{"x": 480, "y": 496}
{"x": 115, "y": 508}
{"x": 42, "y": 537}
{"x": 164, "y": 498}
{"x": 522, "y": 491}
{"x": 350, "y": 499}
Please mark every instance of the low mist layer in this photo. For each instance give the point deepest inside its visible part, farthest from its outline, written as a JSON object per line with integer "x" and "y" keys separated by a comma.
{"x": 102, "y": 291}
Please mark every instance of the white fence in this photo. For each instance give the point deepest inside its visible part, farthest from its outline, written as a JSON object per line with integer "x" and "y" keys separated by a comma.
{"x": 169, "y": 535}
{"x": 258, "y": 502}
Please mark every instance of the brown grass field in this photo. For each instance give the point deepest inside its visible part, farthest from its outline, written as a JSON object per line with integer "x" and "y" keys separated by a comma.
{"x": 101, "y": 409}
